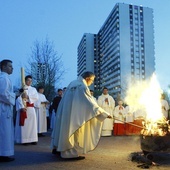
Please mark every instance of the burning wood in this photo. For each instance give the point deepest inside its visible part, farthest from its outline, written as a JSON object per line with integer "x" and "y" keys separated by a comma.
{"x": 155, "y": 137}
{"x": 146, "y": 97}
{"x": 159, "y": 128}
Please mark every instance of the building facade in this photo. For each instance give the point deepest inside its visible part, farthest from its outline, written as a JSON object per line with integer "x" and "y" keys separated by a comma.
{"x": 87, "y": 54}
{"x": 123, "y": 49}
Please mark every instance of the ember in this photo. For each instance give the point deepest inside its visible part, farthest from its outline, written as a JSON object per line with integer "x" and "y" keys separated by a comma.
{"x": 155, "y": 137}
{"x": 159, "y": 128}
{"x": 146, "y": 96}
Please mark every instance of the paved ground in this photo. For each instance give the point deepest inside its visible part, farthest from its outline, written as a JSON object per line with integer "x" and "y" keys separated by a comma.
{"x": 112, "y": 153}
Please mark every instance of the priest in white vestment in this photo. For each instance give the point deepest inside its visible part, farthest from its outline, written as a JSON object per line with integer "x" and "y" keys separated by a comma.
{"x": 40, "y": 108}
{"x": 27, "y": 133}
{"x": 7, "y": 101}
{"x": 107, "y": 102}
{"x": 78, "y": 121}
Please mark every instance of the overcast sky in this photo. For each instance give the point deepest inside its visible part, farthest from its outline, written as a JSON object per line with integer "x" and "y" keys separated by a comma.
{"x": 64, "y": 22}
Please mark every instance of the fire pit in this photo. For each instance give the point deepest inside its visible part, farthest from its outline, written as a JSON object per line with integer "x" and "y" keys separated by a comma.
{"x": 155, "y": 137}
{"x": 155, "y": 143}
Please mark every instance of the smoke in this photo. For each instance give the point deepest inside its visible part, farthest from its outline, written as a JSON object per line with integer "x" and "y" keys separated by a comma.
{"x": 145, "y": 96}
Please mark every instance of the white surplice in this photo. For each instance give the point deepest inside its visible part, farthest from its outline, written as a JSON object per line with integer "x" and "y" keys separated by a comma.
{"x": 40, "y": 110}
{"x": 7, "y": 100}
{"x": 119, "y": 114}
{"x": 78, "y": 121}
{"x": 28, "y": 132}
{"x": 129, "y": 114}
{"x": 165, "y": 108}
{"x": 109, "y": 107}
{"x": 139, "y": 114}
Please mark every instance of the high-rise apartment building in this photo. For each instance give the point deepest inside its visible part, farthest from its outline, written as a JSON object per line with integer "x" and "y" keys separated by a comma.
{"x": 123, "y": 50}
{"x": 87, "y": 55}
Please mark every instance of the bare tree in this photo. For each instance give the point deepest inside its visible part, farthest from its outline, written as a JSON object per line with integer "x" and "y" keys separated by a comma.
{"x": 45, "y": 66}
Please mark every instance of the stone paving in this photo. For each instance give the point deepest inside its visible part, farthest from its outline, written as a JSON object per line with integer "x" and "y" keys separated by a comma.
{"x": 112, "y": 153}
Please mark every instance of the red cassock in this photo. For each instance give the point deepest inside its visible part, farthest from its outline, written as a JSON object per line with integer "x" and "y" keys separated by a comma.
{"x": 137, "y": 130}
{"x": 129, "y": 129}
{"x": 119, "y": 128}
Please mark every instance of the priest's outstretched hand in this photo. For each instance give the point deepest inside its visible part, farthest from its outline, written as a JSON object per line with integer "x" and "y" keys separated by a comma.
{"x": 110, "y": 117}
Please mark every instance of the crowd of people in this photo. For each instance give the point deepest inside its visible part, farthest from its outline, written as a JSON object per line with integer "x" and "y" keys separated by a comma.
{"x": 32, "y": 113}
{"x": 126, "y": 120}
{"x": 76, "y": 117}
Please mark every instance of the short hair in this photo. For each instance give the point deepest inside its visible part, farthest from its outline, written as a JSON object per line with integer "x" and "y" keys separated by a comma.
{"x": 40, "y": 87}
{"x": 105, "y": 88}
{"x": 91, "y": 90}
{"x": 27, "y": 77}
{"x": 88, "y": 74}
{"x": 59, "y": 90}
{"x": 120, "y": 100}
{"x": 4, "y": 63}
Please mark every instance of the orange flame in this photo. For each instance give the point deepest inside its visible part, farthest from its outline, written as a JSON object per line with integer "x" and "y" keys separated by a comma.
{"x": 146, "y": 96}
